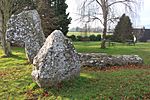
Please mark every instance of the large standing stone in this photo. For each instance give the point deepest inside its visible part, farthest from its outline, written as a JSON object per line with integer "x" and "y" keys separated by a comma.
{"x": 25, "y": 29}
{"x": 57, "y": 60}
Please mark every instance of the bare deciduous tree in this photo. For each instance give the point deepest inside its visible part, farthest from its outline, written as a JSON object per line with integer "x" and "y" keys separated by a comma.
{"x": 106, "y": 11}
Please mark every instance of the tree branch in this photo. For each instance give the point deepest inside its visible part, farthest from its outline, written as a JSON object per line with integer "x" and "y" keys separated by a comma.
{"x": 99, "y": 3}
{"x": 94, "y": 18}
{"x": 113, "y": 19}
{"x": 123, "y": 1}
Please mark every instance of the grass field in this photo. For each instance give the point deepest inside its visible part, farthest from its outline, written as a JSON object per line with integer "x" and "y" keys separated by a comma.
{"x": 92, "y": 84}
{"x": 82, "y": 33}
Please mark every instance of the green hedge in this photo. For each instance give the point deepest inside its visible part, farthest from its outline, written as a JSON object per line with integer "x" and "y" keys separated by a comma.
{"x": 85, "y": 38}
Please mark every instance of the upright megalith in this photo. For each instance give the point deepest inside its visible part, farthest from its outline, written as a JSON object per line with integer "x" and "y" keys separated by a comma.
{"x": 56, "y": 61}
{"x": 25, "y": 29}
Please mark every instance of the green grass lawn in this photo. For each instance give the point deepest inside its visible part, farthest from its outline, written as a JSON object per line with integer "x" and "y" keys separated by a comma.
{"x": 92, "y": 84}
{"x": 82, "y": 33}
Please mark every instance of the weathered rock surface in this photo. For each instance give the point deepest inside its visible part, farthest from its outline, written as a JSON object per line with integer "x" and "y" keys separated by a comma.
{"x": 25, "y": 29}
{"x": 104, "y": 60}
{"x": 57, "y": 60}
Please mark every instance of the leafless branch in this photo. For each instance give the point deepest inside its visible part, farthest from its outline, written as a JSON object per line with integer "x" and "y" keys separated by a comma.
{"x": 113, "y": 19}
{"x": 121, "y": 1}
{"x": 95, "y": 17}
{"x": 99, "y": 3}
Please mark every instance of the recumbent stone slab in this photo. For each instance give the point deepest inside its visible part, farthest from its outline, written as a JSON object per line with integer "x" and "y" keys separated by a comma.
{"x": 104, "y": 60}
{"x": 56, "y": 61}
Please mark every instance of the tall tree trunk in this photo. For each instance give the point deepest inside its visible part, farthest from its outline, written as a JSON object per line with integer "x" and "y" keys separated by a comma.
{"x": 5, "y": 43}
{"x": 5, "y": 46}
{"x": 103, "y": 44}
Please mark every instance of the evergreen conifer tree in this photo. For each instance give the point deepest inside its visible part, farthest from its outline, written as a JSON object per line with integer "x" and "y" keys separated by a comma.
{"x": 123, "y": 30}
{"x": 60, "y": 10}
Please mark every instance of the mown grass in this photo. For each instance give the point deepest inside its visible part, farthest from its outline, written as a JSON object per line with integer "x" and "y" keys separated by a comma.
{"x": 92, "y": 84}
{"x": 82, "y": 33}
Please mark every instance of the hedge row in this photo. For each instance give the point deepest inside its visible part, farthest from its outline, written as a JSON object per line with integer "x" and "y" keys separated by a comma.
{"x": 85, "y": 38}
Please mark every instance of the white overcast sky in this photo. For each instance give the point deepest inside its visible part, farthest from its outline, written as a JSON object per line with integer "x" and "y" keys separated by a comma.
{"x": 144, "y": 14}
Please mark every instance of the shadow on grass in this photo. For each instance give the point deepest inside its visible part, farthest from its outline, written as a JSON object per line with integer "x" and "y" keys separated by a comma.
{"x": 14, "y": 56}
{"x": 14, "y": 60}
{"x": 71, "y": 89}
{"x": 18, "y": 57}
{"x": 78, "y": 89}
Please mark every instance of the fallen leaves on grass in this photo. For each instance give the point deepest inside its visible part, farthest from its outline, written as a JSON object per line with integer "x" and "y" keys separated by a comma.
{"x": 3, "y": 74}
{"x": 146, "y": 96}
{"x": 45, "y": 94}
{"x": 113, "y": 68}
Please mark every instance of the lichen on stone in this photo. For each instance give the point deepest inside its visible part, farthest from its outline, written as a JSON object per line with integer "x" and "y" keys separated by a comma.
{"x": 56, "y": 61}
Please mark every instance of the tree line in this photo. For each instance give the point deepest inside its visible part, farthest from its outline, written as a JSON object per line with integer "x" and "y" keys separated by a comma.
{"x": 82, "y": 29}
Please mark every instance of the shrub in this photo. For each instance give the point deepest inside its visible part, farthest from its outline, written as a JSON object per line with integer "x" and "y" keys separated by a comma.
{"x": 73, "y": 37}
{"x": 142, "y": 40}
{"x": 98, "y": 38}
{"x": 109, "y": 37}
{"x": 79, "y": 38}
{"x": 85, "y": 38}
{"x": 92, "y": 38}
